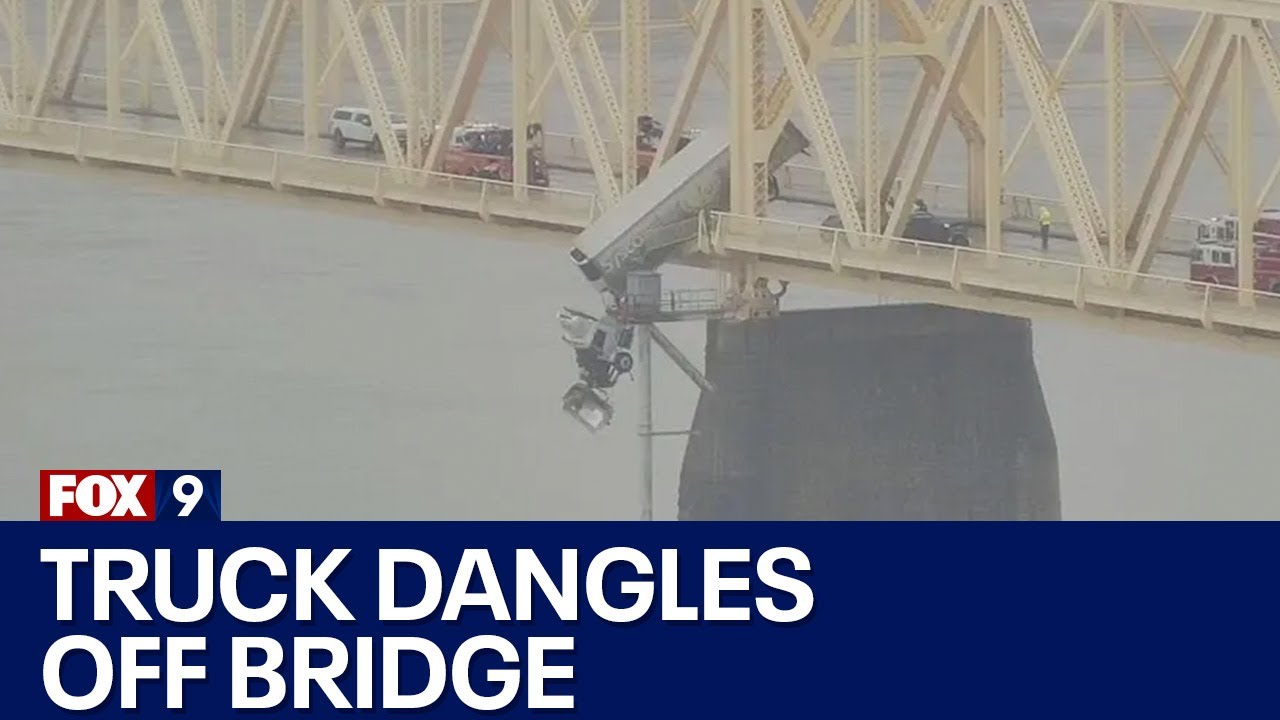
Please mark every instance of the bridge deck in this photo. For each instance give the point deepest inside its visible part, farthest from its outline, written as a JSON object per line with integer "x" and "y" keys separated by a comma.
{"x": 1022, "y": 281}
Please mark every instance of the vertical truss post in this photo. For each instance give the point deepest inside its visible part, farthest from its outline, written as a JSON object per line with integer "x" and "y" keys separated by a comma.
{"x": 869, "y": 108}
{"x": 413, "y": 57}
{"x": 145, "y": 59}
{"x": 239, "y": 39}
{"x": 467, "y": 80}
{"x": 51, "y": 14}
{"x": 310, "y": 75}
{"x": 114, "y": 88}
{"x": 537, "y": 68}
{"x": 6, "y": 106}
{"x": 1242, "y": 169}
{"x": 520, "y": 96}
{"x": 742, "y": 92}
{"x": 596, "y": 151}
{"x": 19, "y": 53}
{"x": 1113, "y": 30}
{"x": 635, "y": 78}
{"x": 993, "y": 131}
{"x": 435, "y": 60}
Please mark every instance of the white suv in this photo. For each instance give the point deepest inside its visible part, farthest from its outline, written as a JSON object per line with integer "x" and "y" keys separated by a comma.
{"x": 355, "y": 125}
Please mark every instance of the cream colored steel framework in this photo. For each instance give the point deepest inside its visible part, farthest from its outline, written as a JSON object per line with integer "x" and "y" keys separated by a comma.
{"x": 776, "y": 61}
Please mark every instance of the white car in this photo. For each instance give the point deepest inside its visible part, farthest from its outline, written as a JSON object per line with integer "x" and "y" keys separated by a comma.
{"x": 355, "y": 125}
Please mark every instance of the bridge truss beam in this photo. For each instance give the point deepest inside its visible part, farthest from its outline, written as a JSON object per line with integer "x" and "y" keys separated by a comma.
{"x": 779, "y": 64}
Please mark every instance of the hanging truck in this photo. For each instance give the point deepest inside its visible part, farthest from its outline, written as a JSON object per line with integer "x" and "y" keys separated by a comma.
{"x": 651, "y": 224}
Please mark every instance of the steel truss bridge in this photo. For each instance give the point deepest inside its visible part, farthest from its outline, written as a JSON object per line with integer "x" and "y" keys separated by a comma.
{"x": 84, "y": 77}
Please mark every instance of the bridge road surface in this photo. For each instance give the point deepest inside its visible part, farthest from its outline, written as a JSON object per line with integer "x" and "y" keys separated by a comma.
{"x": 1018, "y": 239}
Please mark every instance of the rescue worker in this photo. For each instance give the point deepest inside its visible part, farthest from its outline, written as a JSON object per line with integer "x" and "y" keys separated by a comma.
{"x": 1046, "y": 220}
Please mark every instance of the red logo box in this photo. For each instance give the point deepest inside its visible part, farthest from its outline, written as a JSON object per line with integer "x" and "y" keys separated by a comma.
{"x": 98, "y": 495}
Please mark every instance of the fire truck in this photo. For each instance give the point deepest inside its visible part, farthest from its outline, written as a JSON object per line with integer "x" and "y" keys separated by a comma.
{"x": 486, "y": 150}
{"x": 1214, "y": 259}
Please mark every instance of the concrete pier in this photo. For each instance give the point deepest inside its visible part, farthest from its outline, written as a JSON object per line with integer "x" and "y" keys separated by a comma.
{"x": 902, "y": 412}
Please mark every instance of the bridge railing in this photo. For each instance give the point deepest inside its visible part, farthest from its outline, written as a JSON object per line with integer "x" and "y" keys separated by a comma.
{"x": 978, "y": 271}
{"x": 286, "y": 169}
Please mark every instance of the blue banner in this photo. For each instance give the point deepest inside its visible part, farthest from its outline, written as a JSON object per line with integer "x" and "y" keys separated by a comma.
{"x": 637, "y": 620}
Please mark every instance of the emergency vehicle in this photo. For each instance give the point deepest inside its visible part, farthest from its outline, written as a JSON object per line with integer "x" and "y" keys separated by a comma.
{"x": 1215, "y": 257}
{"x": 486, "y": 150}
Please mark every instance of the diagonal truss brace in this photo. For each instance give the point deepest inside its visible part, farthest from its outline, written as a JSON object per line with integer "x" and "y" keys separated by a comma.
{"x": 935, "y": 117}
{"x": 1220, "y": 49}
{"x": 172, "y": 67}
{"x": 208, "y": 51}
{"x": 701, "y": 55}
{"x": 368, "y": 77}
{"x": 835, "y": 162}
{"x": 491, "y": 14}
{"x": 608, "y": 184}
{"x": 1055, "y": 132}
{"x": 257, "y": 68}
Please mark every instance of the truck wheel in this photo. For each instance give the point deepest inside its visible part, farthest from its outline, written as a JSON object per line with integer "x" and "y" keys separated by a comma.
{"x": 624, "y": 362}
{"x": 959, "y": 239}
{"x": 339, "y": 142}
{"x": 377, "y": 145}
{"x": 1276, "y": 288}
{"x": 774, "y": 190}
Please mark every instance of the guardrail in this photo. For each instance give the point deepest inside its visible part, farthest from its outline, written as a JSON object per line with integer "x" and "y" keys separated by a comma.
{"x": 977, "y": 271}
{"x": 281, "y": 169}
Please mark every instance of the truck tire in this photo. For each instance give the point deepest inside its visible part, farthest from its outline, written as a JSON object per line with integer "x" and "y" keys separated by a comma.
{"x": 774, "y": 189}
{"x": 339, "y": 142}
{"x": 624, "y": 362}
{"x": 376, "y": 146}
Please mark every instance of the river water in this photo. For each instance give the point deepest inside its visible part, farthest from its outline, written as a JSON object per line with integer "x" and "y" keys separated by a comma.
{"x": 344, "y": 362}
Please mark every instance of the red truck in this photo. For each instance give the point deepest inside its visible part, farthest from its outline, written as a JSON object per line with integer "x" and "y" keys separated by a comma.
{"x": 486, "y": 150}
{"x": 1215, "y": 257}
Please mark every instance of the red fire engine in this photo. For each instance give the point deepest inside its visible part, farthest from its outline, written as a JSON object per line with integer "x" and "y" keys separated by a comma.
{"x": 1214, "y": 259}
{"x": 485, "y": 150}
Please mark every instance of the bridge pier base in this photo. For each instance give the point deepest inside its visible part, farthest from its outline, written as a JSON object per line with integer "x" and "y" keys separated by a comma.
{"x": 901, "y": 412}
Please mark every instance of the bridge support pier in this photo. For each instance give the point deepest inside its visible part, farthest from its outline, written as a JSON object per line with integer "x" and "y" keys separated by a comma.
{"x": 904, "y": 412}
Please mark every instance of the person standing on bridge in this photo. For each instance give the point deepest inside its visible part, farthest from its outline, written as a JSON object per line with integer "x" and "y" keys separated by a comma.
{"x": 1046, "y": 220}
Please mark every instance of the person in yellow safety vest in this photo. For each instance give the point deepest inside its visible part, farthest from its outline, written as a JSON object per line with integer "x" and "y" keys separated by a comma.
{"x": 1045, "y": 221}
